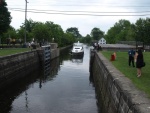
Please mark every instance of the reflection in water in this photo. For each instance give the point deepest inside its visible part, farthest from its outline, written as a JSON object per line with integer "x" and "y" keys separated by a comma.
{"x": 26, "y": 100}
{"x": 64, "y": 55}
{"x": 49, "y": 71}
{"x": 9, "y": 94}
{"x": 77, "y": 58}
{"x": 61, "y": 87}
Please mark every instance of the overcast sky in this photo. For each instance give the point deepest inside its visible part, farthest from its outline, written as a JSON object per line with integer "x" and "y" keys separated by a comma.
{"x": 83, "y": 14}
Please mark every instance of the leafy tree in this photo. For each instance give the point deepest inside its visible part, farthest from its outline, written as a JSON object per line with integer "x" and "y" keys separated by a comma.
{"x": 29, "y": 28}
{"x": 87, "y": 39}
{"x": 147, "y": 30}
{"x": 55, "y": 31}
{"x": 45, "y": 32}
{"x": 121, "y": 31}
{"x": 20, "y": 34}
{"x": 11, "y": 33}
{"x": 67, "y": 39}
{"x": 41, "y": 32}
{"x": 30, "y": 25}
{"x": 74, "y": 31}
{"x": 5, "y": 17}
{"x": 96, "y": 33}
{"x": 142, "y": 28}
{"x": 110, "y": 36}
{"x": 122, "y": 28}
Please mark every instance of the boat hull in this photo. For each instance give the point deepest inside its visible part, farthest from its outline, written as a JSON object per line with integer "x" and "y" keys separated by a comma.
{"x": 77, "y": 53}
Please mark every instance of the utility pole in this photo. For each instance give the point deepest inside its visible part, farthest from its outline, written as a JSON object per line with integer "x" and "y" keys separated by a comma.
{"x": 25, "y": 33}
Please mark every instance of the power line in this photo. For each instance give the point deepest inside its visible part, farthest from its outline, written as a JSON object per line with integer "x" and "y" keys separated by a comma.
{"x": 84, "y": 5}
{"x": 83, "y": 14}
{"x": 75, "y": 11}
{"x": 89, "y": 3}
{"x": 70, "y": 3}
{"x": 86, "y": 13}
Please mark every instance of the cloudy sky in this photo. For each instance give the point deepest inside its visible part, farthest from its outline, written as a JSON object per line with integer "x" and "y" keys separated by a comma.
{"x": 83, "y": 14}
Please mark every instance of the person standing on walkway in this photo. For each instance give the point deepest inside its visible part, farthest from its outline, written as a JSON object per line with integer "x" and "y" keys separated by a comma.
{"x": 139, "y": 62}
{"x": 131, "y": 54}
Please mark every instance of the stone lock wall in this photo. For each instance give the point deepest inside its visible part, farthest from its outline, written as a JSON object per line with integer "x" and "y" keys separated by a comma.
{"x": 24, "y": 63}
{"x": 115, "y": 92}
{"x": 54, "y": 53}
{"x": 13, "y": 64}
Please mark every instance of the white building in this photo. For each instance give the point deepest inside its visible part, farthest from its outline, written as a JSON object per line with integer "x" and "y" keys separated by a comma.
{"x": 102, "y": 41}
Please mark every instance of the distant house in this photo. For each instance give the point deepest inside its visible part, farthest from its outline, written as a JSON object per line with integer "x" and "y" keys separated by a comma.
{"x": 102, "y": 41}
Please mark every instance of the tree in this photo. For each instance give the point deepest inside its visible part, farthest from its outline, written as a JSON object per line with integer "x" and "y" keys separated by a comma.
{"x": 11, "y": 33}
{"x": 29, "y": 28}
{"x": 122, "y": 28}
{"x": 55, "y": 30}
{"x": 41, "y": 32}
{"x": 110, "y": 36}
{"x": 20, "y": 34}
{"x": 96, "y": 33}
{"x": 87, "y": 39}
{"x": 121, "y": 31}
{"x": 142, "y": 28}
{"x": 29, "y": 25}
{"x": 74, "y": 31}
{"x": 5, "y": 17}
{"x": 45, "y": 32}
{"x": 147, "y": 29}
{"x": 67, "y": 39}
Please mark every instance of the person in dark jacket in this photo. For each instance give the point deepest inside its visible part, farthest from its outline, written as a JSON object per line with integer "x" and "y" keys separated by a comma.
{"x": 131, "y": 54}
{"x": 139, "y": 62}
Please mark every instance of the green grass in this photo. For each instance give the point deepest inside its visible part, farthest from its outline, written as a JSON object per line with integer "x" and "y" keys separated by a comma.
{"x": 121, "y": 63}
{"x": 10, "y": 51}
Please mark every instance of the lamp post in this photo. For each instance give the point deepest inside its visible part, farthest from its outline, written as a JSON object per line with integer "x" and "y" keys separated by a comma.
{"x": 25, "y": 21}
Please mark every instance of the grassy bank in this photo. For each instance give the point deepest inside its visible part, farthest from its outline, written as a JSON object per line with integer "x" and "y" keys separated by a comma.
{"x": 10, "y": 51}
{"x": 121, "y": 63}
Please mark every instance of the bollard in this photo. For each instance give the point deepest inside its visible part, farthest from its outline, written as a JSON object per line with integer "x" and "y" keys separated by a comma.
{"x": 112, "y": 57}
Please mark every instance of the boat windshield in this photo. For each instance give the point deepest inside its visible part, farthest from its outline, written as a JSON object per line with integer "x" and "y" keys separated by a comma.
{"x": 77, "y": 44}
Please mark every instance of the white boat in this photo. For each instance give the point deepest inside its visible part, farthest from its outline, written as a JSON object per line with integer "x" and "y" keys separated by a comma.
{"x": 77, "y": 49}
